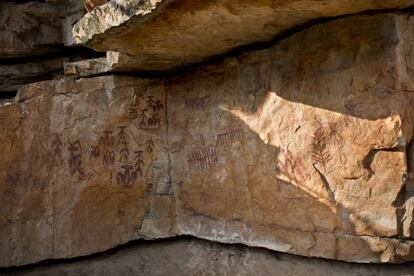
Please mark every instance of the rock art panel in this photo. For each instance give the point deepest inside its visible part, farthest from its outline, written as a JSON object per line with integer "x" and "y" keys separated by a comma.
{"x": 84, "y": 165}
{"x": 305, "y": 147}
{"x": 301, "y": 148}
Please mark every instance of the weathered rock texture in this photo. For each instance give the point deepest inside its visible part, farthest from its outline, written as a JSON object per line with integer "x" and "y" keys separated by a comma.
{"x": 113, "y": 62}
{"x": 34, "y": 40}
{"x": 197, "y": 257}
{"x": 88, "y": 170}
{"x": 165, "y": 34}
{"x": 299, "y": 148}
{"x": 302, "y": 147}
{"x": 35, "y": 28}
{"x": 27, "y": 29}
{"x": 91, "y": 4}
{"x": 13, "y": 76}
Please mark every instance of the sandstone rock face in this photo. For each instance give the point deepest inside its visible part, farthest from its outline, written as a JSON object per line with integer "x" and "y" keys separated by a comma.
{"x": 301, "y": 148}
{"x": 165, "y": 34}
{"x": 197, "y": 257}
{"x": 88, "y": 171}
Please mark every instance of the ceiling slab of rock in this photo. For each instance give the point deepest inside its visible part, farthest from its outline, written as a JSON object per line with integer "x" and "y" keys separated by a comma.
{"x": 303, "y": 147}
{"x": 165, "y": 34}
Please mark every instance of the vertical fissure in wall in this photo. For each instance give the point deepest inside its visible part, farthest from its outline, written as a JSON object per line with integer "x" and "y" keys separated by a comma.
{"x": 409, "y": 191}
{"x": 403, "y": 211}
{"x": 409, "y": 183}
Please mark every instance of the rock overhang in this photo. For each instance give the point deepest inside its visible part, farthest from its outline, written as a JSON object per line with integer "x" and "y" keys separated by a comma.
{"x": 158, "y": 35}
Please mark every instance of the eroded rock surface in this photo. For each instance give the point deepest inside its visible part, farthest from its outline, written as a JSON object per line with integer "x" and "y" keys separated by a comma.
{"x": 197, "y": 257}
{"x": 88, "y": 171}
{"x": 299, "y": 148}
{"x": 165, "y": 34}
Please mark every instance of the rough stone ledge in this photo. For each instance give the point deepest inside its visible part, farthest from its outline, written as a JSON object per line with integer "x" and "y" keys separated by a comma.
{"x": 189, "y": 256}
{"x": 255, "y": 245}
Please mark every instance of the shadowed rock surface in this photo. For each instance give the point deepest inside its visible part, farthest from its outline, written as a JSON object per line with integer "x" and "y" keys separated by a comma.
{"x": 13, "y": 76}
{"x": 36, "y": 28}
{"x": 36, "y": 40}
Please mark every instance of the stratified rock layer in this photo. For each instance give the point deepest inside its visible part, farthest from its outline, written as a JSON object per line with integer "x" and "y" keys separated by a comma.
{"x": 166, "y": 34}
{"x": 299, "y": 148}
